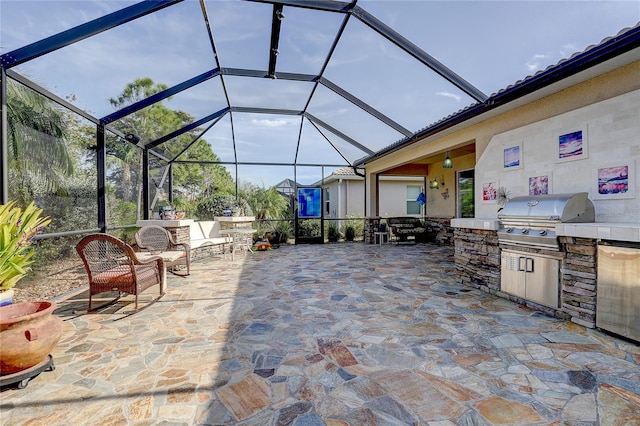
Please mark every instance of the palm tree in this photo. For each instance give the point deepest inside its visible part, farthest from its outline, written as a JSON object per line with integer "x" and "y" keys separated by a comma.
{"x": 266, "y": 203}
{"x": 36, "y": 143}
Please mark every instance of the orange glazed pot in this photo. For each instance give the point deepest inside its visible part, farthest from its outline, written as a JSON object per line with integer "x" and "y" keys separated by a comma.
{"x": 28, "y": 332}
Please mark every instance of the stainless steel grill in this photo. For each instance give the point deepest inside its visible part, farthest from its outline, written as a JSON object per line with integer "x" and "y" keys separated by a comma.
{"x": 530, "y": 221}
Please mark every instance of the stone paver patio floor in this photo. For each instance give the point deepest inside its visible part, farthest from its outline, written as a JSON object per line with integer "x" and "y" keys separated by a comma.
{"x": 336, "y": 334}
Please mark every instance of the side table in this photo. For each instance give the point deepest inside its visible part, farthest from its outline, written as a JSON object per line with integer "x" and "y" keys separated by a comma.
{"x": 379, "y": 237}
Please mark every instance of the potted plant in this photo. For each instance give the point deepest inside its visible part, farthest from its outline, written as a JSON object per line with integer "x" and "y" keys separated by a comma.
{"x": 349, "y": 233}
{"x": 28, "y": 331}
{"x": 333, "y": 233}
{"x": 17, "y": 229}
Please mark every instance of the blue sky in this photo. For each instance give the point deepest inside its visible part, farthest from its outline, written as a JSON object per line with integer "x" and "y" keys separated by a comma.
{"x": 491, "y": 44}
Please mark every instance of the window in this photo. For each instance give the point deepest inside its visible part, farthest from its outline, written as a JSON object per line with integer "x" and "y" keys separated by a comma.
{"x": 412, "y": 195}
{"x": 466, "y": 206}
{"x": 327, "y": 202}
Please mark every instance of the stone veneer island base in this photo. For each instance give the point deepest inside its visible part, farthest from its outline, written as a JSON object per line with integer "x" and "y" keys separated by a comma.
{"x": 477, "y": 262}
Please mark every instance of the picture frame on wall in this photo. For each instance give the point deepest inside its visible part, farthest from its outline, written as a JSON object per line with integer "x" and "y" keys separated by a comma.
{"x": 490, "y": 192}
{"x": 512, "y": 157}
{"x": 572, "y": 145}
{"x": 540, "y": 185}
{"x": 615, "y": 181}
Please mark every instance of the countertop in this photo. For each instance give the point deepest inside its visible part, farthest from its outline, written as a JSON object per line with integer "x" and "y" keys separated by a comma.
{"x": 629, "y": 231}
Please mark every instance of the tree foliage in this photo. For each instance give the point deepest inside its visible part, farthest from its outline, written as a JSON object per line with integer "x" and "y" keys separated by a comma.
{"x": 266, "y": 203}
{"x": 191, "y": 181}
{"x": 36, "y": 143}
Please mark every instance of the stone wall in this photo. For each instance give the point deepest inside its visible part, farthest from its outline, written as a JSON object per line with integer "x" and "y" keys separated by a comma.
{"x": 209, "y": 250}
{"x": 371, "y": 225}
{"x": 579, "y": 278}
{"x": 182, "y": 235}
{"x": 477, "y": 258}
{"x": 440, "y": 230}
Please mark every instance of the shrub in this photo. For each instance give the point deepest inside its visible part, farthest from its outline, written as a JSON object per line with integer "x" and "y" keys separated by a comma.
{"x": 210, "y": 207}
{"x": 333, "y": 233}
{"x": 309, "y": 227}
{"x": 355, "y": 222}
{"x": 349, "y": 233}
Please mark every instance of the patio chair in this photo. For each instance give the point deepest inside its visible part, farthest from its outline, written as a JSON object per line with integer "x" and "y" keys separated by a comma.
{"x": 158, "y": 239}
{"x": 112, "y": 265}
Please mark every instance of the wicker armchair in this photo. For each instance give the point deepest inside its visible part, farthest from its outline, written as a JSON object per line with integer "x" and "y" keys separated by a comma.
{"x": 157, "y": 238}
{"x": 112, "y": 265}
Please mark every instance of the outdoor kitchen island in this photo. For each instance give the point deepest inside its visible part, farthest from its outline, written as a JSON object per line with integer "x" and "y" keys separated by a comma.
{"x": 478, "y": 264}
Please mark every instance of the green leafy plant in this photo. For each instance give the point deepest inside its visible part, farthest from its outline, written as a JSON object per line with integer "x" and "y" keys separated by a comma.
{"x": 333, "y": 233}
{"x": 349, "y": 233}
{"x": 357, "y": 223}
{"x": 17, "y": 229}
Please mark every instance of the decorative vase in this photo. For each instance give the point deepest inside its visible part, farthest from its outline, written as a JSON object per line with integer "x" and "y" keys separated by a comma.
{"x": 28, "y": 332}
{"x": 6, "y": 297}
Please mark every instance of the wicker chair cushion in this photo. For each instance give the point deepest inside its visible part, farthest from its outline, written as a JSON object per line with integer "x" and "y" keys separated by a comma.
{"x": 122, "y": 274}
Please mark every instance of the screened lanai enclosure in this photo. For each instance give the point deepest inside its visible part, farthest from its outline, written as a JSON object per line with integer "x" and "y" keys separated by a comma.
{"x": 254, "y": 87}
{"x": 112, "y": 109}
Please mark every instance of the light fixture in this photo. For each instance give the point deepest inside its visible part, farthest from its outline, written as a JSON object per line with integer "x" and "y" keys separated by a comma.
{"x": 436, "y": 182}
{"x": 448, "y": 164}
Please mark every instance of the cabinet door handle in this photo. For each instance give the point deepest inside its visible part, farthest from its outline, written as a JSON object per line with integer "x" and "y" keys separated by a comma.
{"x": 520, "y": 264}
{"x": 529, "y": 265}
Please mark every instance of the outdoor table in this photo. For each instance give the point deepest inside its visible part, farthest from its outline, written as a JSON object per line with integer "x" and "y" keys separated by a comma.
{"x": 240, "y": 238}
{"x": 379, "y": 237}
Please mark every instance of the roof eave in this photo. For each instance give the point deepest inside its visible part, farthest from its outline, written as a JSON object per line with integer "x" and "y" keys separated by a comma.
{"x": 613, "y": 47}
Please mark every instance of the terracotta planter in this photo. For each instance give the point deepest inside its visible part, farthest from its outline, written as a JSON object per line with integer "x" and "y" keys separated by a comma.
{"x": 28, "y": 332}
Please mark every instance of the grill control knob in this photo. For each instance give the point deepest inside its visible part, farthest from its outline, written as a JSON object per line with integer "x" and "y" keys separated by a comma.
{"x": 525, "y": 231}
{"x": 543, "y": 232}
{"x": 509, "y": 230}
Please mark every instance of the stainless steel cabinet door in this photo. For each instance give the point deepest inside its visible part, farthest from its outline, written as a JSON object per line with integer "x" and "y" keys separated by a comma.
{"x": 618, "y": 299}
{"x": 512, "y": 279}
{"x": 542, "y": 280}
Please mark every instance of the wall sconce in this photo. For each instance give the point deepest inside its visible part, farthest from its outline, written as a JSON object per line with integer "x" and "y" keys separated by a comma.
{"x": 448, "y": 164}
{"x": 436, "y": 183}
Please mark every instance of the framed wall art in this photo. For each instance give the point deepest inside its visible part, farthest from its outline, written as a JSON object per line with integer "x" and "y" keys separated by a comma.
{"x": 615, "y": 181}
{"x": 572, "y": 145}
{"x": 513, "y": 157}
{"x": 539, "y": 185}
{"x": 490, "y": 192}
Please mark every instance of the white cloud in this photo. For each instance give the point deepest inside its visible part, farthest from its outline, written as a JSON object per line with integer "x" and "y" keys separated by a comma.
{"x": 270, "y": 123}
{"x": 568, "y": 49}
{"x": 534, "y": 64}
{"x": 449, "y": 95}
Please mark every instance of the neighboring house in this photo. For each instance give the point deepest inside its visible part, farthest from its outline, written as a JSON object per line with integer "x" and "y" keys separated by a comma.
{"x": 344, "y": 195}
{"x": 286, "y": 188}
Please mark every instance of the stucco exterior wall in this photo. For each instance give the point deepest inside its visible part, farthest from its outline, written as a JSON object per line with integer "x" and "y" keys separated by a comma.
{"x": 352, "y": 198}
{"x": 611, "y": 130}
{"x": 346, "y": 198}
{"x": 393, "y": 195}
{"x": 442, "y": 202}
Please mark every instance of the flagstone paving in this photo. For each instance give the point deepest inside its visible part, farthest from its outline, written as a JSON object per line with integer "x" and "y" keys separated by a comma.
{"x": 336, "y": 334}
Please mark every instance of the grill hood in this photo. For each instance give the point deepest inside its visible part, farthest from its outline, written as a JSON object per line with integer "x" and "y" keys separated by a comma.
{"x": 552, "y": 207}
